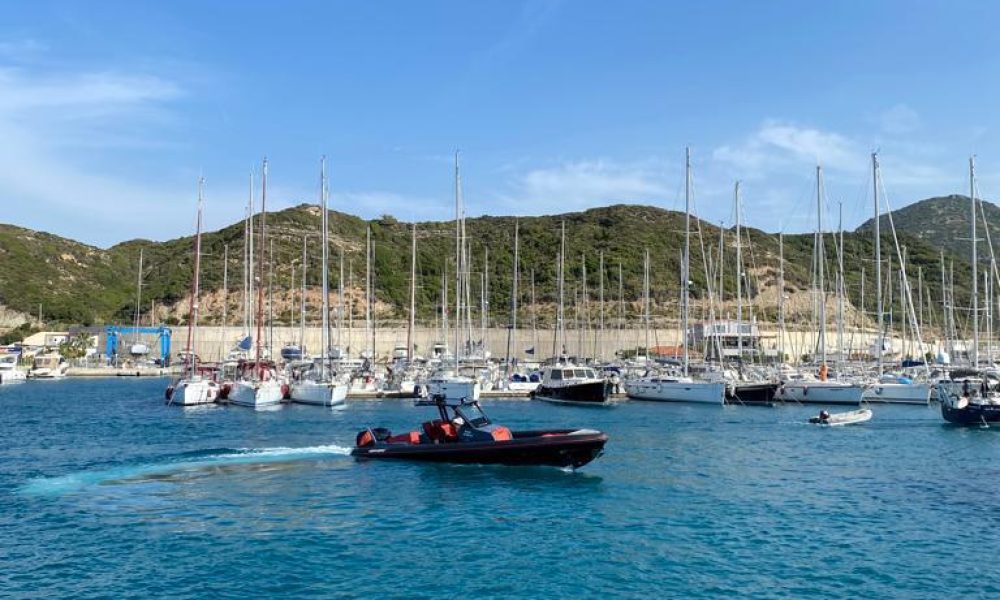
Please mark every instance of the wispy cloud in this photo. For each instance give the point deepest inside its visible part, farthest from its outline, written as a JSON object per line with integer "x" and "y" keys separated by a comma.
{"x": 42, "y": 115}
{"x": 577, "y": 185}
{"x": 776, "y": 145}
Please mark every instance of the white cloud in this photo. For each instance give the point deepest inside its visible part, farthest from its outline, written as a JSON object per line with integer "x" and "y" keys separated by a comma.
{"x": 584, "y": 184}
{"x": 777, "y": 145}
{"x": 43, "y": 114}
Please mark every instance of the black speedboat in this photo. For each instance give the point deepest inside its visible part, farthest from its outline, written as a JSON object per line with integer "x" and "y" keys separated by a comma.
{"x": 566, "y": 383}
{"x": 464, "y": 434}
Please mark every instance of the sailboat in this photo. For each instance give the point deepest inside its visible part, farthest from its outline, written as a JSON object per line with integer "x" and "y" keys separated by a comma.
{"x": 679, "y": 387}
{"x": 969, "y": 400}
{"x": 257, "y": 383}
{"x": 890, "y": 388}
{"x": 317, "y": 386}
{"x": 195, "y": 387}
{"x": 446, "y": 382}
{"x": 805, "y": 388}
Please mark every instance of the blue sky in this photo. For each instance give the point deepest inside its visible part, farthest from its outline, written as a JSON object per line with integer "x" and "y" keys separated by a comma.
{"x": 110, "y": 110}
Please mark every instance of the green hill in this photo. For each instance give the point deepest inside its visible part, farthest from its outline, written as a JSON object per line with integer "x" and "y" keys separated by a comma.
{"x": 76, "y": 283}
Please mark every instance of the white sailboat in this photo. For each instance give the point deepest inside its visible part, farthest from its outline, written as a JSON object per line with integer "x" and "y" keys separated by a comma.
{"x": 195, "y": 387}
{"x": 889, "y": 388}
{"x": 317, "y": 386}
{"x": 805, "y": 388}
{"x": 258, "y": 384}
{"x": 679, "y": 387}
{"x": 446, "y": 382}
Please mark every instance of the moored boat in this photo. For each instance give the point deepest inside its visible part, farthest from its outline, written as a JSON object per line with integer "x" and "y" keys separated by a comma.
{"x": 969, "y": 401}
{"x": 565, "y": 383}
{"x": 464, "y": 434}
{"x": 843, "y": 418}
{"x": 9, "y": 372}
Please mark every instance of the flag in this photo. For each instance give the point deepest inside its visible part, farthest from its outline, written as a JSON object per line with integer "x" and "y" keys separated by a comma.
{"x": 529, "y": 350}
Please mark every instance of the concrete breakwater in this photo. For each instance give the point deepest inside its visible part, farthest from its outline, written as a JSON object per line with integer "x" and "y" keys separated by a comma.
{"x": 213, "y": 343}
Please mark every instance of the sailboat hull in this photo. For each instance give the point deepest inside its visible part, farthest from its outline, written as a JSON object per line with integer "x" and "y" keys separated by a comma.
{"x": 191, "y": 393}
{"x": 899, "y": 393}
{"x": 256, "y": 394}
{"x": 321, "y": 394}
{"x": 821, "y": 392}
{"x": 970, "y": 413}
{"x": 677, "y": 391}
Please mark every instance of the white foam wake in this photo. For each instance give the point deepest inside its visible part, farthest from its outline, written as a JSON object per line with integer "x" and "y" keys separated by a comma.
{"x": 145, "y": 472}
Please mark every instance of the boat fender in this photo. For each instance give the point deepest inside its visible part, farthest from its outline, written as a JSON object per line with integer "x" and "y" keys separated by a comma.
{"x": 170, "y": 392}
{"x": 805, "y": 390}
{"x": 286, "y": 392}
{"x": 878, "y": 391}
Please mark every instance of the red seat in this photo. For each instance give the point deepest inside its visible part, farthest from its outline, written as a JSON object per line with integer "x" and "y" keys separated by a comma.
{"x": 412, "y": 437}
{"x": 439, "y": 431}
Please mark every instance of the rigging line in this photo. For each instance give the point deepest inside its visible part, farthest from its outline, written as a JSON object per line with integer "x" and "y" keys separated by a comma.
{"x": 911, "y": 314}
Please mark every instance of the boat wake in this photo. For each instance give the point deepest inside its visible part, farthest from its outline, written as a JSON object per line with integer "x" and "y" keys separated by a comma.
{"x": 188, "y": 463}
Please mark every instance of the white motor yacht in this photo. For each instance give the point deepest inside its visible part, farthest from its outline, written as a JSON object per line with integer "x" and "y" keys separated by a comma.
{"x": 48, "y": 366}
{"x": 446, "y": 383}
{"x": 9, "y": 371}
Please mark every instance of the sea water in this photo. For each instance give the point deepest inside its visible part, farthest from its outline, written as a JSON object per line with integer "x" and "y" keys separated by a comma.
{"x": 107, "y": 492}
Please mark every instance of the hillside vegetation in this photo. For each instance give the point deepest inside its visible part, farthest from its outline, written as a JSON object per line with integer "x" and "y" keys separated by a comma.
{"x": 76, "y": 283}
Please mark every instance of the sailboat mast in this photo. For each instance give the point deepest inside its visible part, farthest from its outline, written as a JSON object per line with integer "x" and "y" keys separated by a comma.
{"x": 514, "y": 289}
{"x": 324, "y": 341}
{"x": 413, "y": 295}
{"x": 302, "y": 303}
{"x": 739, "y": 279}
{"x": 225, "y": 298}
{"x": 260, "y": 272}
{"x": 686, "y": 263}
{"x": 820, "y": 259}
{"x": 840, "y": 289}
{"x": 599, "y": 339}
{"x": 974, "y": 355}
{"x": 562, "y": 287}
{"x": 458, "y": 258}
{"x": 368, "y": 283}
{"x": 251, "y": 309}
{"x": 645, "y": 298}
{"x": 781, "y": 297}
{"x": 880, "y": 341}
{"x": 195, "y": 288}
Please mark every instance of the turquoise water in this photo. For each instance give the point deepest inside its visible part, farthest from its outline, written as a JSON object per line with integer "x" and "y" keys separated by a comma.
{"x": 108, "y": 493}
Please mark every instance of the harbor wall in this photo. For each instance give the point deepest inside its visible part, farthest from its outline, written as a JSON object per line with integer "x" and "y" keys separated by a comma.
{"x": 214, "y": 343}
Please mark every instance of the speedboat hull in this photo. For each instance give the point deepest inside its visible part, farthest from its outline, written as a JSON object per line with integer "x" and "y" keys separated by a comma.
{"x": 319, "y": 393}
{"x": 560, "y": 448}
{"x": 591, "y": 393}
{"x": 697, "y": 392}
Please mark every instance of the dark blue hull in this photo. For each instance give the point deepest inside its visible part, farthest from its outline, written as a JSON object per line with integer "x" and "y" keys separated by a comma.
{"x": 973, "y": 414}
{"x": 592, "y": 393}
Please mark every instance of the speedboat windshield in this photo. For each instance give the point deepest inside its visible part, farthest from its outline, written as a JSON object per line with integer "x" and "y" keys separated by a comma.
{"x": 473, "y": 415}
